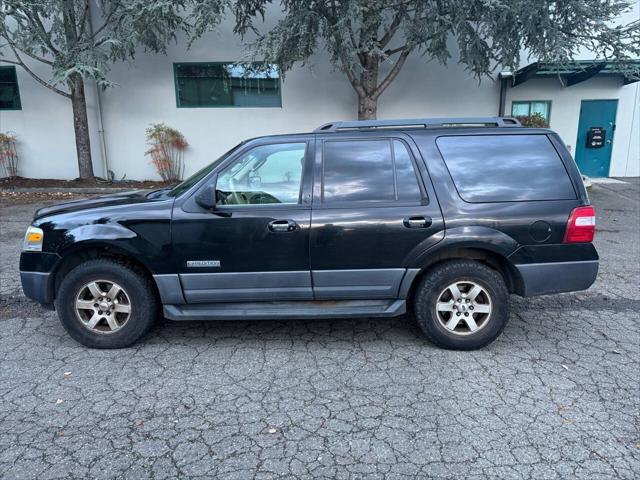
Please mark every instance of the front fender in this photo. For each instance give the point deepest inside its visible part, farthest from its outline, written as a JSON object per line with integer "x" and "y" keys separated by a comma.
{"x": 114, "y": 236}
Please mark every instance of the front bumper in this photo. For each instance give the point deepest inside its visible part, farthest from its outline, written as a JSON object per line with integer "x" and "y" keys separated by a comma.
{"x": 557, "y": 277}
{"x": 36, "y": 286}
{"x": 36, "y": 275}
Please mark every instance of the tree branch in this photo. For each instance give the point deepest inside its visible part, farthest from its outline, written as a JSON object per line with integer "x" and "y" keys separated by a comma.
{"x": 106, "y": 22}
{"x": 4, "y": 34}
{"x": 36, "y": 57}
{"x": 83, "y": 19}
{"x": 393, "y": 73}
{"x": 391, "y": 31}
{"x": 36, "y": 77}
{"x": 392, "y": 51}
{"x": 42, "y": 32}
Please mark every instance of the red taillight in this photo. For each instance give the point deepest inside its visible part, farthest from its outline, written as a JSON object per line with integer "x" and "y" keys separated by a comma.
{"x": 581, "y": 225}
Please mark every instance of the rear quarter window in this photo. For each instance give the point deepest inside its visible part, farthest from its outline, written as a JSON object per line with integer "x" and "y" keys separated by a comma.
{"x": 505, "y": 168}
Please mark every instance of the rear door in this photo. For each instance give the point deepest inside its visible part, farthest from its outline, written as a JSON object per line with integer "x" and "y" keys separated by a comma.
{"x": 373, "y": 210}
{"x": 255, "y": 245}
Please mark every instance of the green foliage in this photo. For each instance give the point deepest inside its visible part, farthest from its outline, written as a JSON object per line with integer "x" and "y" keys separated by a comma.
{"x": 365, "y": 38}
{"x": 60, "y": 33}
{"x": 533, "y": 120}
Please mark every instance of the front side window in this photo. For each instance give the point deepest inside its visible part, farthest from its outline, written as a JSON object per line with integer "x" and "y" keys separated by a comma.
{"x": 268, "y": 174}
{"x": 217, "y": 84}
{"x": 9, "y": 93}
{"x": 368, "y": 171}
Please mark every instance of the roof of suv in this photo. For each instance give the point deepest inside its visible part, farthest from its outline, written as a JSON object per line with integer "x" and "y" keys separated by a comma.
{"x": 462, "y": 125}
{"x": 412, "y": 123}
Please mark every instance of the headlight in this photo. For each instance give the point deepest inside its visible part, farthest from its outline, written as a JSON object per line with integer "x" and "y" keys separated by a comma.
{"x": 33, "y": 239}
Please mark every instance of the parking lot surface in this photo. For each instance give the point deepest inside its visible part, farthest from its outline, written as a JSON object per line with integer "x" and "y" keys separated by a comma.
{"x": 556, "y": 396}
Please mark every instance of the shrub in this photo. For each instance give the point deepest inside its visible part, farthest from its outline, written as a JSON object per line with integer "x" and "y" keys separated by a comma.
{"x": 8, "y": 155}
{"x": 534, "y": 120}
{"x": 167, "y": 151}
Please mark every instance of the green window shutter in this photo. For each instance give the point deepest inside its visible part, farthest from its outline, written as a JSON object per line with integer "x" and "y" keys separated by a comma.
{"x": 9, "y": 91}
{"x": 225, "y": 84}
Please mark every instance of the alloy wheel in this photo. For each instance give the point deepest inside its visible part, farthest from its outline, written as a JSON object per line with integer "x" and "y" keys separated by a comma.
{"x": 103, "y": 306}
{"x": 463, "y": 308}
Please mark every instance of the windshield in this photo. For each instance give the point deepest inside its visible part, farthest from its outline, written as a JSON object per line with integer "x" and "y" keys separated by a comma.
{"x": 200, "y": 174}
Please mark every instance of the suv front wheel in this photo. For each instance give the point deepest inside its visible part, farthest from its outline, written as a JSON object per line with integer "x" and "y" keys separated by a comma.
{"x": 106, "y": 304}
{"x": 462, "y": 305}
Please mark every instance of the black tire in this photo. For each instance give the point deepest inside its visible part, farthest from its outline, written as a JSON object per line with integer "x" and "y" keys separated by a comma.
{"x": 437, "y": 280}
{"x": 138, "y": 288}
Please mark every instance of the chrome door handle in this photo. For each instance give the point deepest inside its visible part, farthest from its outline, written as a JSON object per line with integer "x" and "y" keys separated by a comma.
{"x": 417, "y": 222}
{"x": 282, "y": 226}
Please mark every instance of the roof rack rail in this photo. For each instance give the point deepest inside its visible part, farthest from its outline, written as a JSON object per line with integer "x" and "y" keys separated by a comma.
{"x": 419, "y": 123}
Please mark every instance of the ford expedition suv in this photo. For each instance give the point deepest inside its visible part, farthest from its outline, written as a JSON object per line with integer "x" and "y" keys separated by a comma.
{"x": 442, "y": 218}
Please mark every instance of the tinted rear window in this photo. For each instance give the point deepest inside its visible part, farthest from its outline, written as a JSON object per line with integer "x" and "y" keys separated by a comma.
{"x": 368, "y": 171}
{"x": 505, "y": 168}
{"x": 358, "y": 171}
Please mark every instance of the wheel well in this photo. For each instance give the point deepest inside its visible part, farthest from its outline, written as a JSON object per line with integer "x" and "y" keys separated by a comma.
{"x": 69, "y": 262}
{"x": 491, "y": 259}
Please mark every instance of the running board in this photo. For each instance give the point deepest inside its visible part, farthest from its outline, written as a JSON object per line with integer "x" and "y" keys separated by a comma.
{"x": 286, "y": 310}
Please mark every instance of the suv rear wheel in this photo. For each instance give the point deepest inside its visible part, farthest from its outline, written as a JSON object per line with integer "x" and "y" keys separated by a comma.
{"x": 462, "y": 305}
{"x": 106, "y": 304}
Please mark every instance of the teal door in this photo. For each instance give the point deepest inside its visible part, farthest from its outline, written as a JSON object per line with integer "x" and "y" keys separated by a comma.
{"x": 595, "y": 136}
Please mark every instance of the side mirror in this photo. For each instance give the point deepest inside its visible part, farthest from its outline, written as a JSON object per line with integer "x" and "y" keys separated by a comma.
{"x": 206, "y": 198}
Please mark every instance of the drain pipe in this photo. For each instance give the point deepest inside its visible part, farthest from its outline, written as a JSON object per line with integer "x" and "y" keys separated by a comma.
{"x": 99, "y": 118}
{"x": 103, "y": 143}
{"x": 504, "y": 82}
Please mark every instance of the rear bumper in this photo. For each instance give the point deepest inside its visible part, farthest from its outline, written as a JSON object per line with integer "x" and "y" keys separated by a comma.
{"x": 557, "y": 277}
{"x": 36, "y": 286}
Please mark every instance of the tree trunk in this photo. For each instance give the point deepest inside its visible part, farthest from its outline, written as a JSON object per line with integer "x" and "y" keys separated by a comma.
{"x": 367, "y": 107}
{"x": 367, "y": 98}
{"x": 81, "y": 127}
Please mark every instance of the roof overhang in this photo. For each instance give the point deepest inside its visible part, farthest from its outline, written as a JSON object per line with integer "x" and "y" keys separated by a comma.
{"x": 578, "y": 71}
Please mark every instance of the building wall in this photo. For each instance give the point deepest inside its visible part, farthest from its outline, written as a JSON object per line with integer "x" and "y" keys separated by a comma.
{"x": 310, "y": 97}
{"x": 44, "y": 129}
{"x": 145, "y": 93}
{"x": 565, "y": 114}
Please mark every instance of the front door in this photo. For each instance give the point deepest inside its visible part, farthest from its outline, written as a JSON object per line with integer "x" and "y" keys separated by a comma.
{"x": 596, "y": 129}
{"x": 255, "y": 245}
{"x": 371, "y": 213}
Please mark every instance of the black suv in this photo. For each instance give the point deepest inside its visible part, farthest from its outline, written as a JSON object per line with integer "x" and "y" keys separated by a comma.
{"x": 441, "y": 217}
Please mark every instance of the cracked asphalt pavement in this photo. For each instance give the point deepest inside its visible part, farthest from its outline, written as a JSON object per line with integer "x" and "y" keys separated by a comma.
{"x": 556, "y": 396}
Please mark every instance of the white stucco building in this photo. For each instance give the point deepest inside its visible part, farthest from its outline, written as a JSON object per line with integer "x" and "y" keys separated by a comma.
{"x": 175, "y": 90}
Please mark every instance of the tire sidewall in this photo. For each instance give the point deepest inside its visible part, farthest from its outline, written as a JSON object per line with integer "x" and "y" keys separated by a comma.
{"x": 143, "y": 304}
